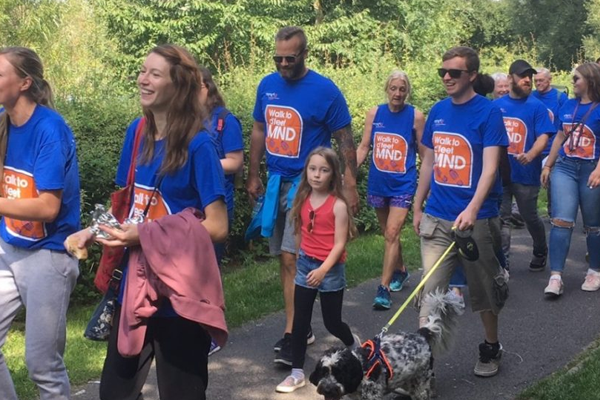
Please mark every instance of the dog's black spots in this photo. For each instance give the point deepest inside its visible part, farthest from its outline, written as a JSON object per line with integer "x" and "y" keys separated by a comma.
{"x": 426, "y": 333}
{"x": 341, "y": 372}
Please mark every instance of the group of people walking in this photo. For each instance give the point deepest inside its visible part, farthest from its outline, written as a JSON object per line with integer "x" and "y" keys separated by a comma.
{"x": 475, "y": 156}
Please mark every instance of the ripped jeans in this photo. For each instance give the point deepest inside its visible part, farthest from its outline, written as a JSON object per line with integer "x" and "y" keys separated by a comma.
{"x": 570, "y": 192}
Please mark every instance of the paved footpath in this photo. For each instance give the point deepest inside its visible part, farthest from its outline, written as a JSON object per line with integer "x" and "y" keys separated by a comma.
{"x": 539, "y": 336}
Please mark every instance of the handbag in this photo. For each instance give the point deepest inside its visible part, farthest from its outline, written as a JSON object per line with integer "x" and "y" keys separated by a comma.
{"x": 120, "y": 206}
{"x": 100, "y": 324}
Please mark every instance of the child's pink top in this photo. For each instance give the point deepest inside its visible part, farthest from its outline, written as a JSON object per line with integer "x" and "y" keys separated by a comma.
{"x": 319, "y": 241}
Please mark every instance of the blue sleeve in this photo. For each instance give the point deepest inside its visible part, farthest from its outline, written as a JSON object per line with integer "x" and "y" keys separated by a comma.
{"x": 338, "y": 115}
{"x": 50, "y": 162}
{"x": 232, "y": 139}
{"x": 126, "y": 152}
{"x": 543, "y": 124}
{"x": 427, "y": 139}
{"x": 562, "y": 99}
{"x": 258, "y": 107}
{"x": 209, "y": 177}
{"x": 494, "y": 133}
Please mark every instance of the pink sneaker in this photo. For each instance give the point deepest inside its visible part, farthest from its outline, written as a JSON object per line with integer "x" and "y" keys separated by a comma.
{"x": 592, "y": 282}
{"x": 555, "y": 286}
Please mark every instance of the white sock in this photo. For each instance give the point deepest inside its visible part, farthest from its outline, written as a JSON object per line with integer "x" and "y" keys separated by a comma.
{"x": 298, "y": 374}
{"x": 593, "y": 272}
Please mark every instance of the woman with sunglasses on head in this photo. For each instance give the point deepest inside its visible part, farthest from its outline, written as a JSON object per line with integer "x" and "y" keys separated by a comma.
{"x": 575, "y": 173}
{"x": 393, "y": 131}
{"x": 178, "y": 167}
{"x": 39, "y": 208}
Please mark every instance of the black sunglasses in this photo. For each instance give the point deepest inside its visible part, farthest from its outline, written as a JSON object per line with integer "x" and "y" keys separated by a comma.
{"x": 576, "y": 78}
{"x": 454, "y": 73}
{"x": 311, "y": 222}
{"x": 288, "y": 59}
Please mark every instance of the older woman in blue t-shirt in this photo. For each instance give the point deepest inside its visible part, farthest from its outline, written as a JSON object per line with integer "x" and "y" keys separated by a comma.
{"x": 393, "y": 132}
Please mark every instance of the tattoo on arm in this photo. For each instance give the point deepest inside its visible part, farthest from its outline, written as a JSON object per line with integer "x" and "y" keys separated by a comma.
{"x": 346, "y": 149}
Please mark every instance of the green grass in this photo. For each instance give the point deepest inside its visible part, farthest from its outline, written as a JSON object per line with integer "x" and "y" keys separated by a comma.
{"x": 252, "y": 290}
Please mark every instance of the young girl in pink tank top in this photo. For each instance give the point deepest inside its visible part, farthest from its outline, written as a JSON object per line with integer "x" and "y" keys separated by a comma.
{"x": 323, "y": 224}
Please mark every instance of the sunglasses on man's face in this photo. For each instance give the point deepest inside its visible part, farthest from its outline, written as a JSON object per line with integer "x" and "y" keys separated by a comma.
{"x": 311, "y": 221}
{"x": 288, "y": 59}
{"x": 454, "y": 73}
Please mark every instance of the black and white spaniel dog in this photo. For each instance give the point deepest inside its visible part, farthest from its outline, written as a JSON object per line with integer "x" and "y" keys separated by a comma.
{"x": 409, "y": 365}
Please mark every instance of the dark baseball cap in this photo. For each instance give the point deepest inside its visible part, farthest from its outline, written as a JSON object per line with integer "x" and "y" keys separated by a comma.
{"x": 521, "y": 67}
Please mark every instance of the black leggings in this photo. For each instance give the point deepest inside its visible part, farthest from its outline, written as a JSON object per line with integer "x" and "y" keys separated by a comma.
{"x": 181, "y": 349}
{"x": 331, "y": 307}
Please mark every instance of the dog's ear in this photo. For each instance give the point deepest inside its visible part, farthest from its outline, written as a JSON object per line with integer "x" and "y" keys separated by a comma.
{"x": 317, "y": 374}
{"x": 352, "y": 372}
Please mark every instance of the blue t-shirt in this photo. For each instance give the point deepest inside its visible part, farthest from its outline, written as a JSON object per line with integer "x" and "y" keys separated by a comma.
{"x": 585, "y": 141}
{"x": 298, "y": 116}
{"x": 393, "y": 170}
{"x": 458, "y": 134}
{"x": 41, "y": 156}
{"x": 525, "y": 120}
{"x": 228, "y": 140}
{"x": 553, "y": 99}
{"x": 197, "y": 184}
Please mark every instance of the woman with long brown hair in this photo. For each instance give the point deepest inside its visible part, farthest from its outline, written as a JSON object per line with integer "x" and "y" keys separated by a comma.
{"x": 178, "y": 168}
{"x": 573, "y": 168}
{"x": 39, "y": 208}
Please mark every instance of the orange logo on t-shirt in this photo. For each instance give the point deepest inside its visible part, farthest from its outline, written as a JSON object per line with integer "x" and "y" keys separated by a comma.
{"x": 142, "y": 196}
{"x": 20, "y": 185}
{"x": 517, "y": 135}
{"x": 284, "y": 131}
{"x": 582, "y": 141}
{"x": 453, "y": 159}
{"x": 389, "y": 152}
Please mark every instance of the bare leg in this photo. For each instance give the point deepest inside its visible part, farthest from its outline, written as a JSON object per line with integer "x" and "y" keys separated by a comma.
{"x": 288, "y": 273}
{"x": 490, "y": 326}
{"x": 391, "y": 220}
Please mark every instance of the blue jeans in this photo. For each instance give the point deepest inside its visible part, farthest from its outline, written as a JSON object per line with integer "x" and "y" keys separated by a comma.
{"x": 570, "y": 192}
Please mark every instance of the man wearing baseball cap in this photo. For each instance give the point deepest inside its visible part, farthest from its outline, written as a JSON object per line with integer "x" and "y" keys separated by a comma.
{"x": 528, "y": 127}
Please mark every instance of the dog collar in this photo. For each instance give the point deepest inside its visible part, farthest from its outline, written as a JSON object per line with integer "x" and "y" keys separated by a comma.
{"x": 377, "y": 358}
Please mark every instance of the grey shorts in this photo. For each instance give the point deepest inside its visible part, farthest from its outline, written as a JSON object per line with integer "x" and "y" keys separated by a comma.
{"x": 482, "y": 275}
{"x": 283, "y": 238}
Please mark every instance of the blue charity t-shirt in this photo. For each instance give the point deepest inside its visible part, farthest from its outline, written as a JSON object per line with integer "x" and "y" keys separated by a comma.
{"x": 393, "y": 170}
{"x": 525, "y": 120}
{"x": 227, "y": 139}
{"x": 298, "y": 116}
{"x": 198, "y": 183}
{"x": 41, "y": 156}
{"x": 553, "y": 99}
{"x": 584, "y": 143}
{"x": 458, "y": 134}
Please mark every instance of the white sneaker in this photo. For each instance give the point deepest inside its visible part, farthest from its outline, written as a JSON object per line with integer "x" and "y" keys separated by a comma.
{"x": 592, "y": 281}
{"x": 555, "y": 286}
{"x": 290, "y": 384}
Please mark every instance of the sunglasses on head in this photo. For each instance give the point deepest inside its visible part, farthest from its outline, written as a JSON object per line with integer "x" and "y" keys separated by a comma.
{"x": 454, "y": 73}
{"x": 288, "y": 59}
{"x": 311, "y": 221}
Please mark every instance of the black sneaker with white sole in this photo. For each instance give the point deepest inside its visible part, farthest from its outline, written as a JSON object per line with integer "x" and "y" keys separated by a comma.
{"x": 310, "y": 339}
{"x": 284, "y": 356}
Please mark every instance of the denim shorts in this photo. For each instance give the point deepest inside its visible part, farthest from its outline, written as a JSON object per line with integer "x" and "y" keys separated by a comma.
{"x": 402, "y": 201}
{"x": 334, "y": 280}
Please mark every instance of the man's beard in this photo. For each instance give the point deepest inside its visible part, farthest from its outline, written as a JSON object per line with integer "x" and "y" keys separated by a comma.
{"x": 293, "y": 73}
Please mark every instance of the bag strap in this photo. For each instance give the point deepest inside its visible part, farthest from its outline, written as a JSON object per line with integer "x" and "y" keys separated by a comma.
{"x": 136, "y": 144}
{"x": 221, "y": 120}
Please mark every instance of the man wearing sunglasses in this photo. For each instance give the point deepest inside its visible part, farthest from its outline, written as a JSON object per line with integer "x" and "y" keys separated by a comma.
{"x": 296, "y": 111}
{"x": 528, "y": 126}
{"x": 463, "y": 138}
